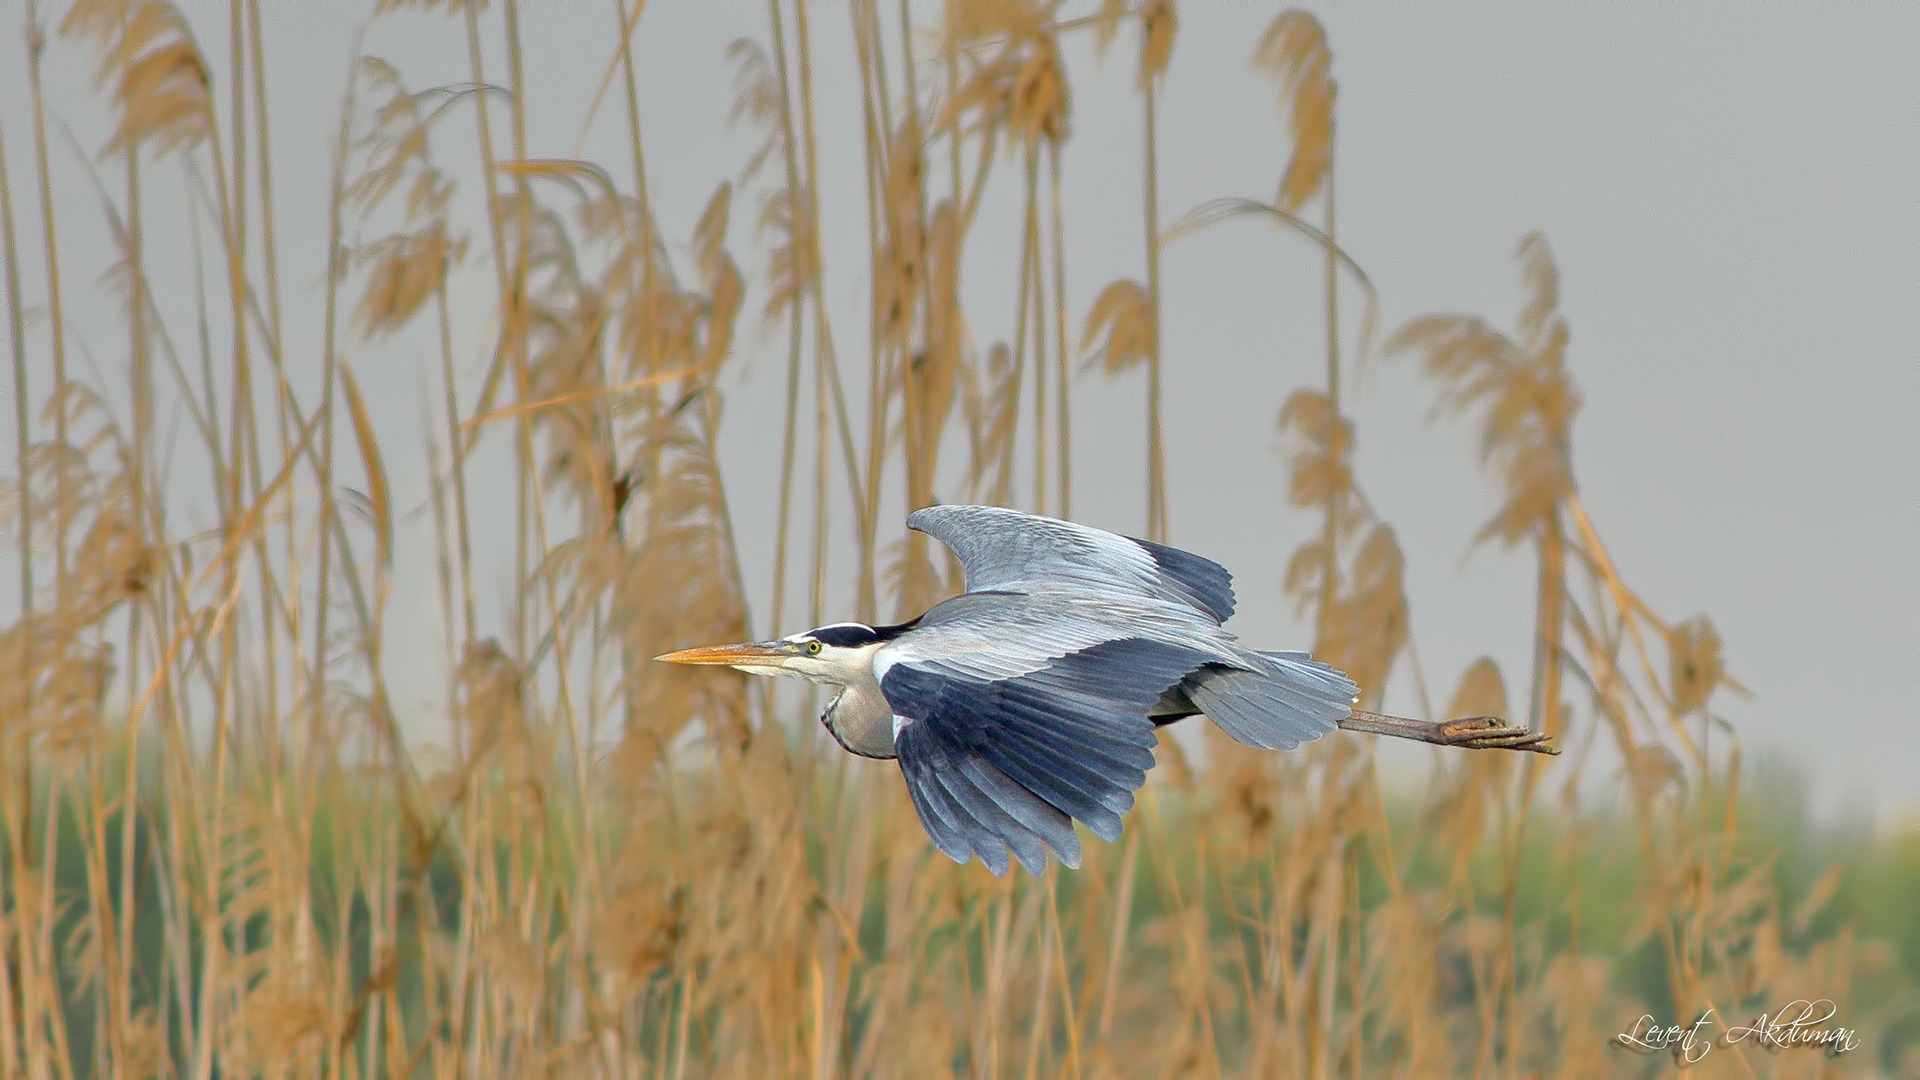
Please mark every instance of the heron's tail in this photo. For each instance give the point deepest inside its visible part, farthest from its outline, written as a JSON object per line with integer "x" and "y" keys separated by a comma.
{"x": 1291, "y": 699}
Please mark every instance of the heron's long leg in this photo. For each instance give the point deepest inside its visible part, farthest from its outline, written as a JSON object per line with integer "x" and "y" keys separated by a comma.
{"x": 1469, "y": 733}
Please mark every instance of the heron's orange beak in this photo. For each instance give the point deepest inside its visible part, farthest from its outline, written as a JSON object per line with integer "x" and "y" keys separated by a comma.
{"x": 752, "y": 655}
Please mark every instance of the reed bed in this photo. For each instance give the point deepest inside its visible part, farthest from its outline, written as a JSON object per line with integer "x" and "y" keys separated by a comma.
{"x": 223, "y": 855}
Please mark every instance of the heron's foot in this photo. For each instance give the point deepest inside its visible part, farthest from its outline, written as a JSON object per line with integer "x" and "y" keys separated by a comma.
{"x": 1493, "y": 733}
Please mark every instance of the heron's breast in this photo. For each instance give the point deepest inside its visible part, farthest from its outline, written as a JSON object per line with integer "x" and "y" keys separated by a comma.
{"x": 861, "y": 721}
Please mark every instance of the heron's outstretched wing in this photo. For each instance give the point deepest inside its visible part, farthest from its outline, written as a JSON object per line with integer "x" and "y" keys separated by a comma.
{"x": 999, "y": 765}
{"x": 1002, "y": 548}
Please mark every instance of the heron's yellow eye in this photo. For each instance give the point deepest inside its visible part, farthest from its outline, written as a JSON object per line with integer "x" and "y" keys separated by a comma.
{"x": 813, "y": 648}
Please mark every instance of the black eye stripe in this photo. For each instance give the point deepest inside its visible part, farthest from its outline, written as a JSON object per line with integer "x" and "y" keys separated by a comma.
{"x": 844, "y": 637}
{"x": 855, "y": 635}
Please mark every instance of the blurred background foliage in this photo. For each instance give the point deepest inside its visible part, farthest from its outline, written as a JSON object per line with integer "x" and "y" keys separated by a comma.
{"x": 222, "y": 856}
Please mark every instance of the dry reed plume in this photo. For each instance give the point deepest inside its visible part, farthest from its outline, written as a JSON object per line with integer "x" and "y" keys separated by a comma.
{"x": 222, "y": 856}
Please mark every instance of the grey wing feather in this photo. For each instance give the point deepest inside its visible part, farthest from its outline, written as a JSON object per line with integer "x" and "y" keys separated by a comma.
{"x": 1295, "y": 699}
{"x": 1208, "y": 585}
{"x": 1002, "y": 548}
{"x": 1002, "y": 635}
{"x": 1002, "y": 765}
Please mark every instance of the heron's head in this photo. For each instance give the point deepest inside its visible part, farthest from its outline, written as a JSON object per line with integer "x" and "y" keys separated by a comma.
{"x": 840, "y": 654}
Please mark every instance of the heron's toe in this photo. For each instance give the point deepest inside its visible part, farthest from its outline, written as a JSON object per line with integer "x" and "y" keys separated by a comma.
{"x": 1492, "y": 733}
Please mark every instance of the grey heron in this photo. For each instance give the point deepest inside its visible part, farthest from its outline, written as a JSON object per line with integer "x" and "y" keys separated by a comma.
{"x": 1030, "y": 700}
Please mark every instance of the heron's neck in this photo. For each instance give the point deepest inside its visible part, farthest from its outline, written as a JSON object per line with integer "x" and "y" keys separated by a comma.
{"x": 861, "y": 720}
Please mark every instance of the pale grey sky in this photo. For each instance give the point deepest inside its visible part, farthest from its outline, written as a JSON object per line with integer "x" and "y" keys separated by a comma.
{"x": 1732, "y": 193}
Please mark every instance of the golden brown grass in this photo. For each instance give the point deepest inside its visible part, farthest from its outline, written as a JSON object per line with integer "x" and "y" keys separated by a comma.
{"x": 221, "y": 857}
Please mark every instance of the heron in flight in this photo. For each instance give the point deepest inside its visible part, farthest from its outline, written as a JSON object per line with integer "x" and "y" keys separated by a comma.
{"x": 1030, "y": 700}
